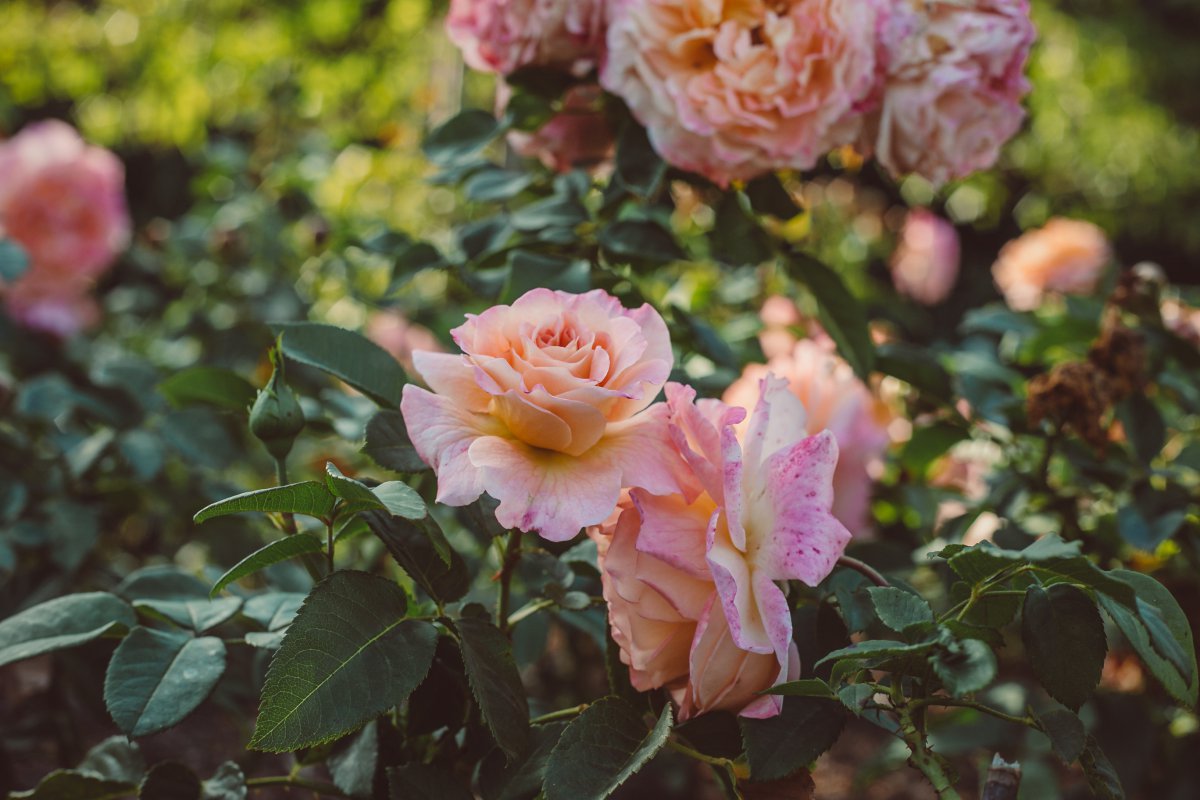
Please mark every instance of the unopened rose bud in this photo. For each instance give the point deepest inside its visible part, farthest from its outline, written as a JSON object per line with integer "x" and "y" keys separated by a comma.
{"x": 276, "y": 417}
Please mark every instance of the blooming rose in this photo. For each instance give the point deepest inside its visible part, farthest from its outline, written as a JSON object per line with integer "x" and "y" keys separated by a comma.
{"x": 63, "y": 202}
{"x": 1067, "y": 255}
{"x": 735, "y": 89}
{"x": 953, "y": 81}
{"x": 391, "y": 331}
{"x": 925, "y": 264}
{"x": 579, "y": 136}
{"x": 546, "y": 410}
{"x": 691, "y": 579}
{"x": 835, "y": 400}
{"x": 504, "y": 35}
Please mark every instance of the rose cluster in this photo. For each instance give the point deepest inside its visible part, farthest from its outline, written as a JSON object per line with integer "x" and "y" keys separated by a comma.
{"x": 63, "y": 202}
{"x": 700, "y": 510}
{"x": 731, "y": 90}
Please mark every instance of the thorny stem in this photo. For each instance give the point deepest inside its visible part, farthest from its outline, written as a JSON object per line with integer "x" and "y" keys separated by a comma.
{"x": 864, "y": 568}
{"x": 508, "y": 563}
{"x": 956, "y": 703}
{"x": 562, "y": 713}
{"x": 979, "y": 591}
{"x": 929, "y": 763}
{"x": 296, "y": 782}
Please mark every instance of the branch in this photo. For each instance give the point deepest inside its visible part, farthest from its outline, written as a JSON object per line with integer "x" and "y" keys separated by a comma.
{"x": 508, "y": 563}
{"x": 866, "y": 569}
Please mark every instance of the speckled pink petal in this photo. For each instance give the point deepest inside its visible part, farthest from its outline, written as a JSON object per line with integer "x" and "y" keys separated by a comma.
{"x": 442, "y": 433}
{"x": 736, "y": 590}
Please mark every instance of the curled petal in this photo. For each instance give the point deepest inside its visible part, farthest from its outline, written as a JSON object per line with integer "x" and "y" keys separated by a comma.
{"x": 442, "y": 433}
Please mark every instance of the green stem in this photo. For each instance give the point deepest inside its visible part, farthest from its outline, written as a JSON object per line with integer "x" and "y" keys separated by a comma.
{"x": 716, "y": 761}
{"x": 528, "y": 610}
{"x": 864, "y": 568}
{"x": 508, "y": 563}
{"x": 929, "y": 763}
{"x": 562, "y": 713}
{"x": 329, "y": 545}
{"x": 956, "y": 703}
{"x": 310, "y": 560}
{"x": 299, "y": 783}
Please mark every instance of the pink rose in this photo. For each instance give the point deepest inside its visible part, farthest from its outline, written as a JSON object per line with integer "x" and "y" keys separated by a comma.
{"x": 505, "y": 35}
{"x": 691, "y": 579}
{"x": 925, "y": 264}
{"x": 835, "y": 400}
{"x": 1067, "y": 255}
{"x": 579, "y": 136}
{"x": 953, "y": 82}
{"x": 732, "y": 90}
{"x": 47, "y": 303}
{"x": 1182, "y": 320}
{"x": 391, "y": 331}
{"x": 546, "y": 410}
{"x": 62, "y": 200}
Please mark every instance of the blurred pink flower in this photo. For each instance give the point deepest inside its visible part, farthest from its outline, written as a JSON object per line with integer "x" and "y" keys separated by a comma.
{"x": 580, "y": 136}
{"x": 547, "y": 410}
{"x": 504, "y": 35}
{"x": 1067, "y": 255}
{"x": 394, "y": 333}
{"x": 953, "y": 79}
{"x": 1183, "y": 320}
{"x": 834, "y": 400}
{"x": 925, "y": 264}
{"x": 691, "y": 578}
{"x": 733, "y": 90}
{"x": 63, "y": 202}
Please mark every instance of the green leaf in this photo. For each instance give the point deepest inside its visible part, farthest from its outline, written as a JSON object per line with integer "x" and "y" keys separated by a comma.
{"x": 768, "y": 196}
{"x": 156, "y": 678}
{"x": 490, "y": 185}
{"x": 347, "y": 355}
{"x": 501, "y": 779}
{"x": 964, "y": 666}
{"x": 65, "y": 784}
{"x": 348, "y": 657}
{"x": 556, "y": 211}
{"x": 528, "y": 270}
{"x": 170, "y": 594}
{"x": 810, "y": 687}
{"x": 14, "y": 261}
{"x": 1064, "y": 639}
{"x": 876, "y": 649}
{"x": 227, "y": 783}
{"x": 353, "y": 766}
{"x": 1176, "y": 681}
{"x": 781, "y": 745}
{"x": 273, "y": 610}
{"x": 929, "y": 443}
{"x": 638, "y": 166}
{"x": 401, "y": 500}
{"x": 461, "y": 137}
{"x": 309, "y": 498}
{"x": 495, "y": 682}
{"x": 357, "y": 496}
{"x": 115, "y": 759}
{"x": 212, "y": 386}
{"x": 601, "y": 749}
{"x": 273, "y": 553}
{"x": 898, "y": 609}
{"x": 1065, "y": 731}
{"x": 423, "y": 782}
{"x": 61, "y": 623}
{"x": 420, "y": 548}
{"x": 1143, "y": 424}
{"x": 916, "y": 366}
{"x": 854, "y": 697}
{"x": 1101, "y": 775}
{"x": 736, "y": 238}
{"x": 170, "y": 781}
{"x": 639, "y": 240}
{"x": 841, "y": 314}
{"x": 388, "y": 444}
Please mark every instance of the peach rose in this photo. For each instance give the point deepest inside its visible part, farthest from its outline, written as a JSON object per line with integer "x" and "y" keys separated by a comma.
{"x": 579, "y": 136}
{"x": 394, "y": 333}
{"x": 734, "y": 89}
{"x": 691, "y": 579}
{"x": 546, "y": 410}
{"x": 953, "y": 82}
{"x": 1067, "y": 255}
{"x": 925, "y": 264}
{"x": 834, "y": 400}
{"x": 62, "y": 200}
{"x": 505, "y": 35}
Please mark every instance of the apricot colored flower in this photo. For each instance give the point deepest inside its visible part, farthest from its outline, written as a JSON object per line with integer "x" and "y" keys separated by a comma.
{"x": 392, "y": 331}
{"x": 547, "y": 409}
{"x": 732, "y": 89}
{"x": 1066, "y": 256}
{"x": 691, "y": 579}
{"x": 578, "y": 137}
{"x": 925, "y": 264}
{"x": 63, "y": 202}
{"x": 953, "y": 82}
{"x": 835, "y": 400}
{"x": 505, "y": 35}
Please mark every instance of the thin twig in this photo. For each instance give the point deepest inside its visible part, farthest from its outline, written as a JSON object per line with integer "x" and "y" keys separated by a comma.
{"x": 562, "y": 713}
{"x": 866, "y": 569}
{"x": 508, "y": 563}
{"x": 296, "y": 782}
